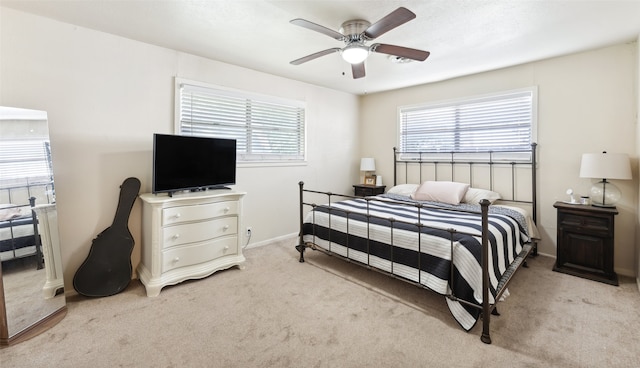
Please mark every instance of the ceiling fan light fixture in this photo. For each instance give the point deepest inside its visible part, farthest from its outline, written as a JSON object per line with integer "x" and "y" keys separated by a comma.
{"x": 355, "y": 53}
{"x": 356, "y": 32}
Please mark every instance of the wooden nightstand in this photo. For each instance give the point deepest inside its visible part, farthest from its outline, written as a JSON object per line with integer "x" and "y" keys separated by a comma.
{"x": 362, "y": 190}
{"x": 585, "y": 242}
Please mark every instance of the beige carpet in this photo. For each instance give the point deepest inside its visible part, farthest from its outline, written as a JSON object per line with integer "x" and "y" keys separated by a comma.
{"x": 329, "y": 313}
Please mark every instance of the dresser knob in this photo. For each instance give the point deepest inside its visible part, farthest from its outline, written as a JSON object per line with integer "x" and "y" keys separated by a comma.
{"x": 177, "y": 215}
{"x": 225, "y": 227}
{"x": 226, "y": 247}
{"x": 226, "y": 209}
{"x": 175, "y": 236}
{"x": 176, "y": 260}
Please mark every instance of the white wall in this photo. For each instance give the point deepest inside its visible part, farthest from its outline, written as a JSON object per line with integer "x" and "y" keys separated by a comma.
{"x": 587, "y": 102}
{"x": 105, "y": 97}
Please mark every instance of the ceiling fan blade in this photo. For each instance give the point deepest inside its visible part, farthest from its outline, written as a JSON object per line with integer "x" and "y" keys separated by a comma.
{"x": 357, "y": 70}
{"x": 318, "y": 28}
{"x": 404, "y": 52}
{"x": 392, "y": 20}
{"x": 314, "y": 56}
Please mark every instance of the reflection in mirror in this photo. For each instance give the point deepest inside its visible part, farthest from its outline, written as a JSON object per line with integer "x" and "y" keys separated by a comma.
{"x": 31, "y": 286}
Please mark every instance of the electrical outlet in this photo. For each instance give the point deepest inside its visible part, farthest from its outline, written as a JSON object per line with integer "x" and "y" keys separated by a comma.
{"x": 248, "y": 231}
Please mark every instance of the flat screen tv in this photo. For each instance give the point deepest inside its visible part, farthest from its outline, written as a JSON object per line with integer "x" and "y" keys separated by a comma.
{"x": 183, "y": 163}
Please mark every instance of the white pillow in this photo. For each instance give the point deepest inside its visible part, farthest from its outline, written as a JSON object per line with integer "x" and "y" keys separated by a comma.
{"x": 9, "y": 213}
{"x": 475, "y": 195}
{"x": 403, "y": 189}
{"x": 441, "y": 191}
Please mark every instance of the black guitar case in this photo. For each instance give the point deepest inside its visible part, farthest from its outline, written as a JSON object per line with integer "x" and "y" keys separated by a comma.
{"x": 107, "y": 269}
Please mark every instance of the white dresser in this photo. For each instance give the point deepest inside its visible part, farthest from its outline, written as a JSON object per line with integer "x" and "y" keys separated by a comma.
{"x": 189, "y": 236}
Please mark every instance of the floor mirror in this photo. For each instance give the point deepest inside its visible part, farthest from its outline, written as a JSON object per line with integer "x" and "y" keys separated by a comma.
{"x": 31, "y": 283}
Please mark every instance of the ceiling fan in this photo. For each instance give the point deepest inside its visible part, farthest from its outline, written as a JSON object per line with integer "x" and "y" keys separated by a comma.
{"x": 355, "y": 33}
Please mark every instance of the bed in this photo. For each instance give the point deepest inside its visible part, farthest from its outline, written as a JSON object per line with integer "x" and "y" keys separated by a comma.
{"x": 16, "y": 238}
{"x": 436, "y": 227}
{"x": 19, "y": 236}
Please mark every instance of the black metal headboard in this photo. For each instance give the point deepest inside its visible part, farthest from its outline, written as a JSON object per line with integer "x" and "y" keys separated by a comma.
{"x": 431, "y": 164}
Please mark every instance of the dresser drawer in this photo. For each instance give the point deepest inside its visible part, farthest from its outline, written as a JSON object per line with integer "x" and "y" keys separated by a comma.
{"x": 199, "y": 231}
{"x": 198, "y": 253}
{"x": 177, "y": 215}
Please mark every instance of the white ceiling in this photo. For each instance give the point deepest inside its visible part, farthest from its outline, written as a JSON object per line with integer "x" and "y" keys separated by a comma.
{"x": 463, "y": 36}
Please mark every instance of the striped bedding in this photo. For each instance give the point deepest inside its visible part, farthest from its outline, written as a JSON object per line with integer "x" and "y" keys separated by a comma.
{"x": 342, "y": 229}
{"x": 16, "y": 238}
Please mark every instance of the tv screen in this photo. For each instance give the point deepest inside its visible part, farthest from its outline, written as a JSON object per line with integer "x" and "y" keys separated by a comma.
{"x": 192, "y": 163}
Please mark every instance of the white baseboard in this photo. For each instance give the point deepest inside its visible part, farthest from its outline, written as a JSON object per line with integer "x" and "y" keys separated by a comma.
{"x": 269, "y": 241}
{"x": 547, "y": 255}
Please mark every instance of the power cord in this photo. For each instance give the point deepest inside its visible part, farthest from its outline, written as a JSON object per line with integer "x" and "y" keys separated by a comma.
{"x": 248, "y": 238}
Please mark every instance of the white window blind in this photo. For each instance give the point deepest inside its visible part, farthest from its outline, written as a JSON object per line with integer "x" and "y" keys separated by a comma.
{"x": 25, "y": 159}
{"x": 265, "y": 129}
{"x": 500, "y": 123}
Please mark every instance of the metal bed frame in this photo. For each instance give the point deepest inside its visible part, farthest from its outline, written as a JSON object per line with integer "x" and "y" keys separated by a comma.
{"x": 12, "y": 244}
{"x": 435, "y": 160}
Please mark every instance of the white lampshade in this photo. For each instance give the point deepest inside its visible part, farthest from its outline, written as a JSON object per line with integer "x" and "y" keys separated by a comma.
{"x": 355, "y": 53}
{"x": 605, "y": 166}
{"x": 367, "y": 164}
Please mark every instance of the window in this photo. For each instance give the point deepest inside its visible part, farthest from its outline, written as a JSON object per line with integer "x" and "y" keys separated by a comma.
{"x": 25, "y": 159}
{"x": 503, "y": 122}
{"x": 266, "y": 129}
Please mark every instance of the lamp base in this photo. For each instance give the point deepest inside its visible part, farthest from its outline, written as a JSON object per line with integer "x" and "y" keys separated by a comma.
{"x": 604, "y": 194}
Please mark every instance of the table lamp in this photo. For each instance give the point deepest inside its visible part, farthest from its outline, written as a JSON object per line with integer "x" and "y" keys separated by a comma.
{"x": 368, "y": 165}
{"x": 605, "y": 166}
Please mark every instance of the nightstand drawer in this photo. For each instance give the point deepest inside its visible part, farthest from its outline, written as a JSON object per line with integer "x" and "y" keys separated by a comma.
{"x": 588, "y": 224}
{"x": 362, "y": 190}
